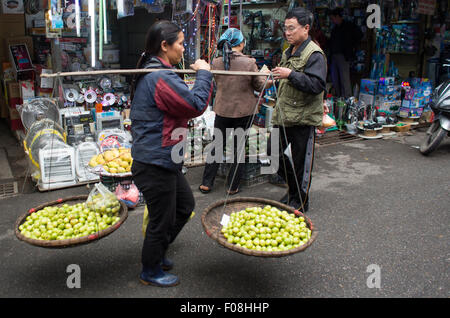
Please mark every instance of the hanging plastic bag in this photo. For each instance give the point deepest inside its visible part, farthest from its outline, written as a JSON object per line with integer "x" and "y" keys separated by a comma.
{"x": 128, "y": 196}
{"x": 327, "y": 121}
{"x": 102, "y": 201}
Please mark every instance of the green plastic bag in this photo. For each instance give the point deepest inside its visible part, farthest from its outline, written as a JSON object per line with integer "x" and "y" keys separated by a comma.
{"x": 145, "y": 220}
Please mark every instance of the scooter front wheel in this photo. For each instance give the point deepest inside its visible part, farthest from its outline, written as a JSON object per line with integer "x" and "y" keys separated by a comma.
{"x": 434, "y": 137}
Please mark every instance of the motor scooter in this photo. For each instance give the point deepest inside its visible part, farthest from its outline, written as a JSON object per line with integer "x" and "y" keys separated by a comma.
{"x": 440, "y": 128}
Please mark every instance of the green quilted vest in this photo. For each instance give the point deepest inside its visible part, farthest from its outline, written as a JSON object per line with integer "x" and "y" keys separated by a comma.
{"x": 295, "y": 107}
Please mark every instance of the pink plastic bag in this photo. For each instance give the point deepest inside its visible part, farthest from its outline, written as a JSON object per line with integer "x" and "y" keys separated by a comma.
{"x": 128, "y": 196}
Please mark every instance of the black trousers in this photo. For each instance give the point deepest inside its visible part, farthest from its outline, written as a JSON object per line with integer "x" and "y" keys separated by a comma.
{"x": 210, "y": 172}
{"x": 301, "y": 139}
{"x": 170, "y": 203}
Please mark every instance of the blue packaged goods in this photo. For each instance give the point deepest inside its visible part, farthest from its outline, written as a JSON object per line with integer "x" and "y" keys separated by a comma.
{"x": 368, "y": 86}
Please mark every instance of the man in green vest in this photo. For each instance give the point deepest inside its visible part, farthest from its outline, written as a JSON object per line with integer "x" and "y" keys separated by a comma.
{"x": 299, "y": 110}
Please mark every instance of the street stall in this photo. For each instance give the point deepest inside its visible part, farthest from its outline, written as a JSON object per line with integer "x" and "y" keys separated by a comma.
{"x": 67, "y": 70}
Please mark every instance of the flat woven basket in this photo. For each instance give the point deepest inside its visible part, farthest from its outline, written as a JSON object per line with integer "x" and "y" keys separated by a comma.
{"x": 123, "y": 213}
{"x": 213, "y": 214}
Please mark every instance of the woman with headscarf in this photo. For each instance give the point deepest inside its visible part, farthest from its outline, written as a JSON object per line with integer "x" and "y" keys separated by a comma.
{"x": 234, "y": 105}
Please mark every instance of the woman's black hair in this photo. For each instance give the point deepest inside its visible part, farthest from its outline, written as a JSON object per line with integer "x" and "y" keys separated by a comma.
{"x": 303, "y": 16}
{"x": 160, "y": 31}
{"x": 225, "y": 47}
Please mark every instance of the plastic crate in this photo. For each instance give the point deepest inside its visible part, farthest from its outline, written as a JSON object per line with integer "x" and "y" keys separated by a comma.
{"x": 250, "y": 170}
{"x": 256, "y": 180}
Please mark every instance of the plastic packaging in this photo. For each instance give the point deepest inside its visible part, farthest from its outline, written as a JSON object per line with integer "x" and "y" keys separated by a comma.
{"x": 102, "y": 201}
{"x": 129, "y": 195}
{"x": 37, "y": 109}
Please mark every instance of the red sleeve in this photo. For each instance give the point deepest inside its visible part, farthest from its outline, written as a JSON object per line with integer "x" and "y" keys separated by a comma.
{"x": 173, "y": 96}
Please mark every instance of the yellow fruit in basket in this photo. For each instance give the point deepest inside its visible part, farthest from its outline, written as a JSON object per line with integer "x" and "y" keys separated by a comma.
{"x": 124, "y": 164}
{"x": 93, "y": 162}
{"x": 112, "y": 170}
{"x": 128, "y": 169}
{"x": 100, "y": 160}
{"x": 124, "y": 150}
{"x": 126, "y": 156}
{"x": 113, "y": 164}
{"x": 121, "y": 170}
{"x": 116, "y": 153}
{"x": 106, "y": 168}
{"x": 109, "y": 156}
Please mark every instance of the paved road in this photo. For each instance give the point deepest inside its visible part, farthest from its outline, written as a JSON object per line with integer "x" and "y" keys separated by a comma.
{"x": 374, "y": 202}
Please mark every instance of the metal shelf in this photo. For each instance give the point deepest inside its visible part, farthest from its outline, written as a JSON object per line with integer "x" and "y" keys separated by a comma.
{"x": 256, "y": 3}
{"x": 404, "y": 53}
{"x": 405, "y": 22}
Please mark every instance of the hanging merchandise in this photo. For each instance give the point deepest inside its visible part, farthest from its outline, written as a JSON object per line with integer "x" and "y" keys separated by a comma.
{"x": 153, "y": 6}
{"x": 100, "y": 30}
{"x": 105, "y": 23}
{"x": 185, "y": 16}
{"x": 208, "y": 42}
{"x": 77, "y": 17}
{"x": 125, "y": 8}
{"x": 51, "y": 32}
{"x": 71, "y": 15}
{"x": 182, "y": 7}
{"x": 56, "y": 14}
{"x": 92, "y": 21}
{"x": 32, "y": 6}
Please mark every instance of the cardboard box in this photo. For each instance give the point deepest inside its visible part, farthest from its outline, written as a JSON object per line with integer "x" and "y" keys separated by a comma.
{"x": 369, "y": 86}
{"x": 406, "y": 103}
{"x": 27, "y": 40}
{"x": 12, "y": 7}
{"x": 26, "y": 90}
{"x": 15, "y": 122}
{"x": 386, "y": 89}
{"x": 13, "y": 94}
{"x": 386, "y": 81}
{"x": 12, "y": 89}
{"x": 410, "y": 112}
{"x": 366, "y": 98}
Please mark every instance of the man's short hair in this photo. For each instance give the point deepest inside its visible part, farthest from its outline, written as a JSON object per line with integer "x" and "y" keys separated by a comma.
{"x": 303, "y": 16}
{"x": 337, "y": 12}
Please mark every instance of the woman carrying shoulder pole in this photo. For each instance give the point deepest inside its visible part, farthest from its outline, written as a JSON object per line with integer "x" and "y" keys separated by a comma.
{"x": 162, "y": 102}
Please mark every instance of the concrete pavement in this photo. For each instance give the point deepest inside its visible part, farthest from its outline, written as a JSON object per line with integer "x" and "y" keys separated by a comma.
{"x": 373, "y": 202}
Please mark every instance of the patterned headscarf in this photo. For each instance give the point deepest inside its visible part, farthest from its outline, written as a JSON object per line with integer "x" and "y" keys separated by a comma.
{"x": 233, "y": 36}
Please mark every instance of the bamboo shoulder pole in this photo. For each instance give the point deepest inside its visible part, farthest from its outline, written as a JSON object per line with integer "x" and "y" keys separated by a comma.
{"x": 135, "y": 71}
